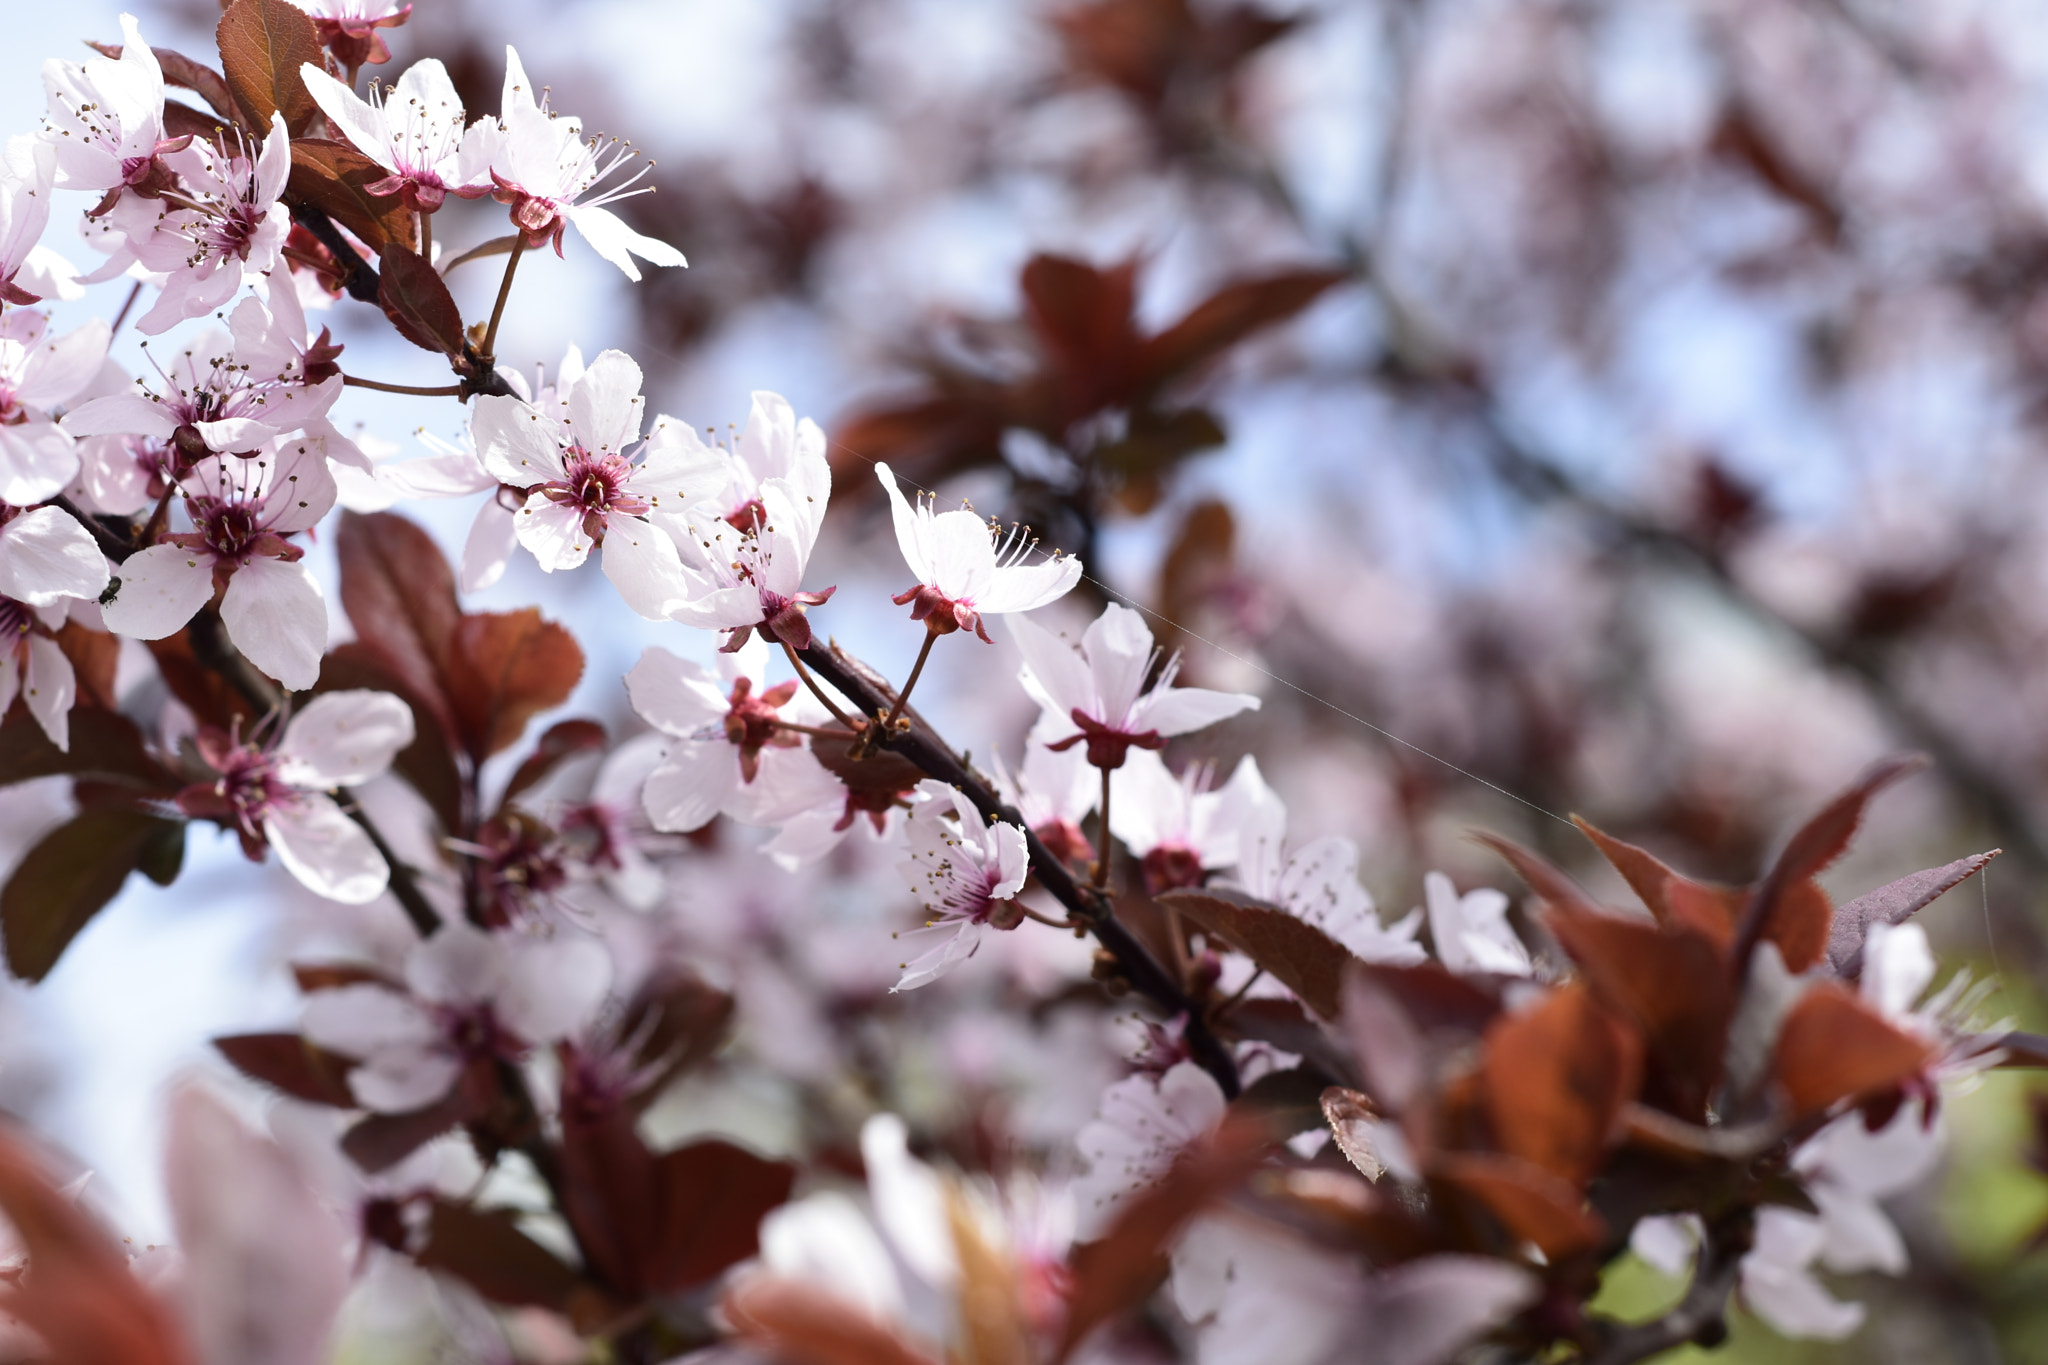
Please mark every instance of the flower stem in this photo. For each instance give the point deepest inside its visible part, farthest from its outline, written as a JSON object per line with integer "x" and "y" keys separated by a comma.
{"x": 497, "y": 246}
{"x": 439, "y": 391}
{"x": 853, "y": 726}
{"x": 490, "y": 346}
{"x": 126, "y": 308}
{"x": 815, "y": 731}
{"x": 916, "y": 669}
{"x": 426, "y": 236}
{"x": 1100, "y": 881}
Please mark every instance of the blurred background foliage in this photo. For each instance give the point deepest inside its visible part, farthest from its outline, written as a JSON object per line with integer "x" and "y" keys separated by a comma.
{"x": 1636, "y": 409}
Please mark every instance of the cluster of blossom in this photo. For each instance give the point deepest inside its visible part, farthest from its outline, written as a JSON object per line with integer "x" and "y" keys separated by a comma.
{"x": 1450, "y": 1136}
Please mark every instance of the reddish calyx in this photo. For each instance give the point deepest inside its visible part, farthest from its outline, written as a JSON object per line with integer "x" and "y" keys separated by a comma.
{"x": 941, "y": 614}
{"x": 753, "y": 725}
{"x": 1107, "y": 748}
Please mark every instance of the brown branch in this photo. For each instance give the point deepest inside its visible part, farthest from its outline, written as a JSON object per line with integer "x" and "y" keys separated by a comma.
{"x": 920, "y": 744}
{"x": 1701, "y": 1316}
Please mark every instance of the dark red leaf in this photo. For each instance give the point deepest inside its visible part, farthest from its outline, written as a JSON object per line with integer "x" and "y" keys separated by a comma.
{"x": 209, "y": 696}
{"x": 262, "y": 45}
{"x": 287, "y": 1062}
{"x": 505, "y": 669}
{"x": 1786, "y": 907}
{"x": 399, "y": 594}
{"x": 1557, "y": 1075}
{"x": 1295, "y": 953}
{"x": 1083, "y": 318}
{"x": 1530, "y": 1203}
{"x": 485, "y": 1249}
{"x": 1672, "y": 897}
{"x": 380, "y": 1141}
{"x": 1227, "y": 317}
{"x": 413, "y": 296}
{"x": 182, "y": 120}
{"x": 561, "y": 742}
{"x": 105, "y": 746}
{"x": 329, "y": 976}
{"x": 335, "y": 178}
{"x": 1893, "y": 903}
{"x": 1833, "y": 1047}
{"x": 68, "y": 878}
{"x": 1288, "y": 1101}
{"x": 713, "y": 1196}
{"x": 1673, "y": 984}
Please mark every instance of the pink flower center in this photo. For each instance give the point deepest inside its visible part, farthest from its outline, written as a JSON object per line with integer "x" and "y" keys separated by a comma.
{"x": 595, "y": 485}
{"x": 249, "y": 784}
{"x": 229, "y": 529}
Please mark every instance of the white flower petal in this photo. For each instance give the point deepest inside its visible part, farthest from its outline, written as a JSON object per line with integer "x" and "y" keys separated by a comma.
{"x": 276, "y": 616}
{"x": 45, "y": 555}
{"x": 610, "y": 238}
{"x": 161, "y": 588}
{"x": 328, "y": 852}
{"x": 341, "y": 738}
{"x": 642, "y": 563}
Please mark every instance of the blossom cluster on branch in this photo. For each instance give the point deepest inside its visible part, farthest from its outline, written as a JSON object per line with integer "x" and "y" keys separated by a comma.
{"x": 1428, "y": 1134}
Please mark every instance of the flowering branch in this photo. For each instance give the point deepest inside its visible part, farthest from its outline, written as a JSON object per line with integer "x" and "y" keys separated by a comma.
{"x": 1089, "y": 907}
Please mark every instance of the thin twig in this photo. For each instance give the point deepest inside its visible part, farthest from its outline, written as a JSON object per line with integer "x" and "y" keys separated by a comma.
{"x": 490, "y": 346}
{"x": 916, "y": 671}
{"x": 438, "y": 391}
{"x": 127, "y": 306}
{"x": 1100, "y": 879}
{"x": 497, "y": 246}
{"x": 853, "y": 726}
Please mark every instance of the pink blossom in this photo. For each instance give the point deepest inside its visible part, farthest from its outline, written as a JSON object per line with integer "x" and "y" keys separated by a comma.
{"x": 241, "y": 513}
{"x": 348, "y": 28}
{"x": 275, "y": 794}
{"x": 413, "y": 129}
{"x": 967, "y": 569}
{"x": 746, "y": 568}
{"x": 1178, "y": 828}
{"x": 469, "y": 994}
{"x": 106, "y": 120}
{"x": 1471, "y": 932}
{"x": 960, "y": 865}
{"x": 222, "y": 226}
{"x": 728, "y": 755}
{"x": 549, "y": 174}
{"x": 40, "y": 373}
{"x": 1098, "y": 693}
{"x": 584, "y": 490}
{"x": 1142, "y": 1124}
{"x": 229, "y": 393}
